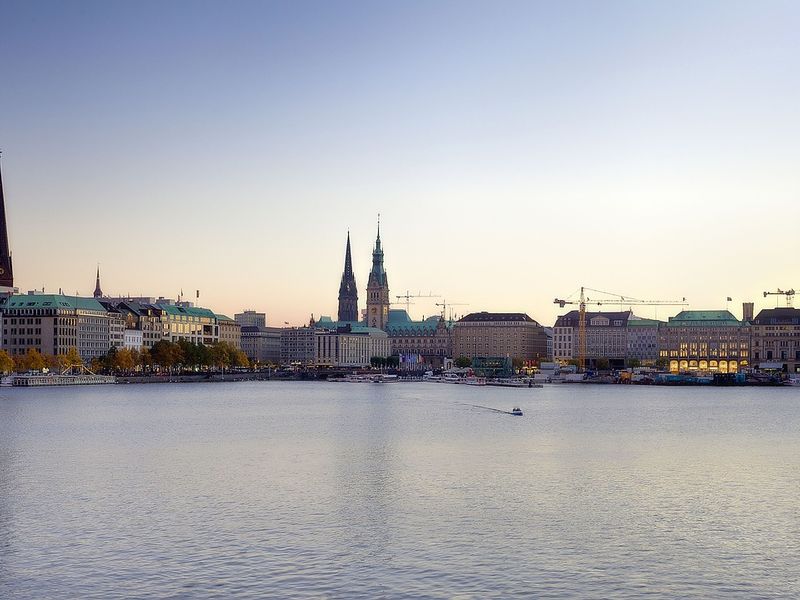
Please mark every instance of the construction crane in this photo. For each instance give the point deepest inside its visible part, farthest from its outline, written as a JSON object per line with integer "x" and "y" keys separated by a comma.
{"x": 616, "y": 299}
{"x": 445, "y": 304}
{"x": 408, "y": 297}
{"x": 789, "y": 294}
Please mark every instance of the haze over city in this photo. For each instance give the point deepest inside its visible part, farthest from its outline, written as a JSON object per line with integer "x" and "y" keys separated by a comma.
{"x": 513, "y": 153}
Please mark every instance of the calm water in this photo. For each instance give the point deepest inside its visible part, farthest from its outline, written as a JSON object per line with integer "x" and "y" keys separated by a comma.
{"x": 359, "y": 490}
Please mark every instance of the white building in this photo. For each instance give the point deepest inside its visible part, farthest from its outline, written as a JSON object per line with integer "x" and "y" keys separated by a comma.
{"x": 134, "y": 339}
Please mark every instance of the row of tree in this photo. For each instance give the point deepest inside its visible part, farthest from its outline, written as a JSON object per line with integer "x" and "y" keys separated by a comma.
{"x": 163, "y": 355}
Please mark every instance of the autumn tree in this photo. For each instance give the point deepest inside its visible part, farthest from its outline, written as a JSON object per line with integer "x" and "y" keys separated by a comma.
{"x": 6, "y": 362}
{"x": 123, "y": 361}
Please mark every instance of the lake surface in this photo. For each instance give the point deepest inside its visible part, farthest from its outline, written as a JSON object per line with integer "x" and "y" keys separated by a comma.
{"x": 339, "y": 490}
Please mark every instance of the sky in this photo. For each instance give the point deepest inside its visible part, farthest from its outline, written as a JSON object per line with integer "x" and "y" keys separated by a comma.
{"x": 515, "y": 150}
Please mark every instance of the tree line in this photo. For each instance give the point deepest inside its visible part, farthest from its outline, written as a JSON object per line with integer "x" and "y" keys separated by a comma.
{"x": 164, "y": 355}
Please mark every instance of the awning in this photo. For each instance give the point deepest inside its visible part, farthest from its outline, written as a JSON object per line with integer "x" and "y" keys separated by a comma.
{"x": 776, "y": 366}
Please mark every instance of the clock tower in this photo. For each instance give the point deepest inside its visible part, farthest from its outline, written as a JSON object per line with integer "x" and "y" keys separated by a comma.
{"x": 378, "y": 288}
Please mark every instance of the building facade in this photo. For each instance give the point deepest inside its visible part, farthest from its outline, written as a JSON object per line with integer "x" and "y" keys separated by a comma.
{"x": 134, "y": 339}
{"x": 419, "y": 344}
{"x": 707, "y": 341}
{"x": 251, "y": 318}
{"x": 642, "y": 341}
{"x": 193, "y": 324}
{"x": 775, "y": 339}
{"x": 53, "y": 323}
{"x": 297, "y": 346}
{"x": 513, "y": 335}
{"x": 350, "y": 346}
{"x": 606, "y": 337}
{"x": 262, "y": 345}
{"x": 145, "y": 318}
{"x": 229, "y": 331}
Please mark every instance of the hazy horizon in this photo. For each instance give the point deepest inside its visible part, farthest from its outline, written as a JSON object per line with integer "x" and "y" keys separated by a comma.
{"x": 515, "y": 151}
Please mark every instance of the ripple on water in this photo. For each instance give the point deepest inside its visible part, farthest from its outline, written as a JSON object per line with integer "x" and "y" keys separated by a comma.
{"x": 322, "y": 490}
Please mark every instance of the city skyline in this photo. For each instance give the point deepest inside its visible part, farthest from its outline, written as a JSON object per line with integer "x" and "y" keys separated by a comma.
{"x": 624, "y": 147}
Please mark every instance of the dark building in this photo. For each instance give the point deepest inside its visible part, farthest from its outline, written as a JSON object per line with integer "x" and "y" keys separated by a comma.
{"x": 775, "y": 339}
{"x": 348, "y": 291}
{"x": 378, "y": 289}
{"x": 6, "y": 271}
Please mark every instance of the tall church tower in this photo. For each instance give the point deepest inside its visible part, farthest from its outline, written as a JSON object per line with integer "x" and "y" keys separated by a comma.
{"x": 98, "y": 292}
{"x": 6, "y": 272}
{"x": 378, "y": 288}
{"x": 348, "y": 291}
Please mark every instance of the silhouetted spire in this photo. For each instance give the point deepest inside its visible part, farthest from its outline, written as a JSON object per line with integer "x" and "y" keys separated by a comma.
{"x": 348, "y": 291}
{"x": 98, "y": 293}
{"x": 6, "y": 271}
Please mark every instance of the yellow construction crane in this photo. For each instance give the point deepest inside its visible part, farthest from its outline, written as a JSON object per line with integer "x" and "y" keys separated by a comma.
{"x": 408, "y": 297}
{"x": 615, "y": 299}
{"x": 445, "y": 304}
{"x": 789, "y": 294}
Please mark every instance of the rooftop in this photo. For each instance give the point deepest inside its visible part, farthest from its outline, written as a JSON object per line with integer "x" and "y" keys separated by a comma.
{"x": 52, "y": 301}
{"x": 778, "y": 316}
{"x": 193, "y": 311}
{"x": 483, "y": 316}
{"x": 704, "y": 318}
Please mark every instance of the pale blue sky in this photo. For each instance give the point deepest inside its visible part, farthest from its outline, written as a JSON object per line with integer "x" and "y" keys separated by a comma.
{"x": 516, "y": 150}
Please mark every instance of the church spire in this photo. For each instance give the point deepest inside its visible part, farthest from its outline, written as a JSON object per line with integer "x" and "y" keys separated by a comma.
{"x": 98, "y": 293}
{"x": 348, "y": 260}
{"x": 348, "y": 291}
{"x": 6, "y": 272}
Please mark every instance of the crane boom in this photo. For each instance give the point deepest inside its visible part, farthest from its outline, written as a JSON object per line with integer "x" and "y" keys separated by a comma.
{"x": 617, "y": 299}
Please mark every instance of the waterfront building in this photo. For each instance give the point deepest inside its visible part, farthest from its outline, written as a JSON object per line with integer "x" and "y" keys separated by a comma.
{"x": 193, "y": 324}
{"x": 642, "y": 340}
{"x": 548, "y": 331}
{"x": 251, "y": 318}
{"x": 229, "y": 331}
{"x": 54, "y": 323}
{"x": 116, "y": 326}
{"x": 378, "y": 289}
{"x": 6, "y": 268}
{"x": 606, "y": 337}
{"x": 145, "y": 318}
{"x": 262, "y": 344}
{"x": 419, "y": 344}
{"x": 297, "y": 346}
{"x": 513, "y": 335}
{"x": 348, "y": 291}
{"x": 339, "y": 344}
{"x": 705, "y": 341}
{"x": 775, "y": 339}
{"x": 133, "y": 339}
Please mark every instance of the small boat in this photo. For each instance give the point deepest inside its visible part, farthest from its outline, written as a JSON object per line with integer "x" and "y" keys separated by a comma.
{"x": 516, "y": 411}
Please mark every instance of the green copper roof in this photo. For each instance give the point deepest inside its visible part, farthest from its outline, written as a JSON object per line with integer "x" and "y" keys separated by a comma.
{"x": 52, "y": 301}
{"x": 400, "y": 323}
{"x": 194, "y": 311}
{"x": 704, "y": 318}
{"x": 223, "y": 318}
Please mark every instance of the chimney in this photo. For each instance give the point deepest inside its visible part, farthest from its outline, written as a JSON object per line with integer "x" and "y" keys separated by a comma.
{"x": 747, "y": 311}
